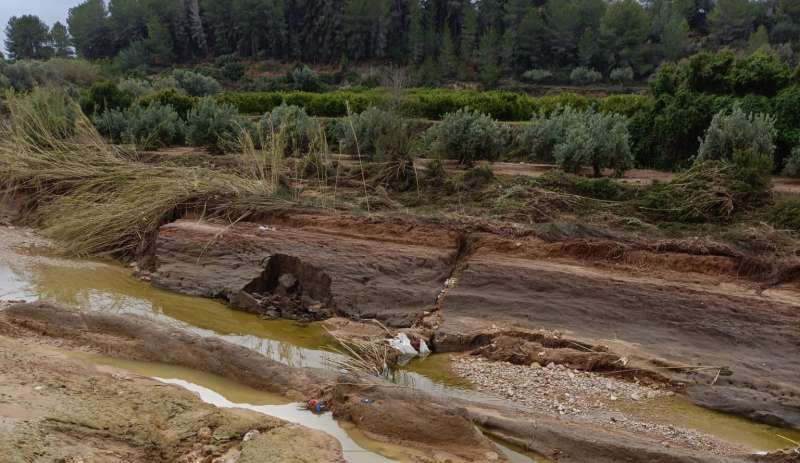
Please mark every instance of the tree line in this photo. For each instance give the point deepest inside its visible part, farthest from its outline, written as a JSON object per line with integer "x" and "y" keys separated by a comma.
{"x": 464, "y": 39}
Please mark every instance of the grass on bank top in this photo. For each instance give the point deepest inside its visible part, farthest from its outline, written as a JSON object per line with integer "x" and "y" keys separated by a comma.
{"x": 97, "y": 198}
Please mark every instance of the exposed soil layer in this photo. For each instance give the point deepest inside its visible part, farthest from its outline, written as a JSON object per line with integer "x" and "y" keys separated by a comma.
{"x": 356, "y": 277}
{"x": 442, "y": 429}
{"x": 396, "y": 416}
{"x": 689, "y": 308}
{"x": 53, "y": 408}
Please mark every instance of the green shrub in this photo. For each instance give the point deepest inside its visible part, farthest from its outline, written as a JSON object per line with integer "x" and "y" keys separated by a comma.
{"x": 436, "y": 103}
{"x": 477, "y": 178}
{"x": 105, "y": 95}
{"x": 362, "y": 132}
{"x": 791, "y": 167}
{"x": 598, "y": 141}
{"x": 544, "y": 133}
{"x": 75, "y": 71}
{"x": 233, "y": 71}
{"x": 295, "y": 127}
{"x": 153, "y": 126}
{"x": 465, "y": 135}
{"x": 735, "y": 131}
{"x": 196, "y": 84}
{"x": 537, "y": 76}
{"x": 627, "y": 105}
{"x": 135, "y": 56}
{"x": 548, "y": 104}
{"x": 332, "y": 104}
{"x": 786, "y": 107}
{"x": 135, "y": 87}
{"x": 785, "y": 213}
{"x": 112, "y": 124}
{"x": 621, "y": 75}
{"x": 597, "y": 188}
{"x": 304, "y": 79}
{"x": 584, "y": 76}
{"x": 178, "y": 101}
{"x": 213, "y": 125}
{"x": 762, "y": 73}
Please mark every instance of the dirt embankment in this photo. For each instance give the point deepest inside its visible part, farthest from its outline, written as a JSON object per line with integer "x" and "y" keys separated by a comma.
{"x": 419, "y": 422}
{"x": 653, "y": 306}
{"x": 442, "y": 429}
{"x": 53, "y": 408}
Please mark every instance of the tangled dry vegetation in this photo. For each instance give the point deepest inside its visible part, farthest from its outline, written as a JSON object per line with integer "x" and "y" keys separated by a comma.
{"x": 98, "y": 198}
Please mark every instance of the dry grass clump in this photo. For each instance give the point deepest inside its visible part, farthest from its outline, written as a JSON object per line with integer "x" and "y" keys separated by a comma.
{"x": 706, "y": 192}
{"x": 362, "y": 356}
{"x": 96, "y": 198}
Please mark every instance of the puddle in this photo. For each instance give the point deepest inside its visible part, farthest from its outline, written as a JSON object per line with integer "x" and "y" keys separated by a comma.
{"x": 108, "y": 287}
{"x": 225, "y": 393}
{"x": 679, "y": 410}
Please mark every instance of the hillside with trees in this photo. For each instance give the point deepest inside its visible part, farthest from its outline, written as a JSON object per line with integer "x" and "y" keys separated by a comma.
{"x": 533, "y": 40}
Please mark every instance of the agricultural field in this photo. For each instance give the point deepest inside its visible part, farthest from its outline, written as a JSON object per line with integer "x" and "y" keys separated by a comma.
{"x": 509, "y": 240}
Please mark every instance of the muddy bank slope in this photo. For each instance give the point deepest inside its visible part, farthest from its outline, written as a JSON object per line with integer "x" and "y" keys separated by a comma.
{"x": 418, "y": 421}
{"x": 756, "y": 337}
{"x": 685, "y": 307}
{"x": 356, "y": 271}
{"x": 444, "y": 430}
{"x": 54, "y": 408}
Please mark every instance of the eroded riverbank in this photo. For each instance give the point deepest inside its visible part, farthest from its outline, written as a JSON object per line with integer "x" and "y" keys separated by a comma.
{"x": 295, "y": 345}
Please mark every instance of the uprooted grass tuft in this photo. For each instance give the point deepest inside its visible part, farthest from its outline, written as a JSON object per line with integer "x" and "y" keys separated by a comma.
{"x": 98, "y": 199}
{"x": 709, "y": 191}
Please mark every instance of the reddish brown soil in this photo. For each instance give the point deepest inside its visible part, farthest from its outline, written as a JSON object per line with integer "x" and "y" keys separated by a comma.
{"x": 397, "y": 415}
{"x": 681, "y": 302}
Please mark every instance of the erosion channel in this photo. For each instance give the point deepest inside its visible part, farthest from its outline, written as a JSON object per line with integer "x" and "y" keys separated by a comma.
{"x": 109, "y": 335}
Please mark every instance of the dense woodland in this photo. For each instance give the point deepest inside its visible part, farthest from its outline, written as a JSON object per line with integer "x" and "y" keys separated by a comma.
{"x": 443, "y": 39}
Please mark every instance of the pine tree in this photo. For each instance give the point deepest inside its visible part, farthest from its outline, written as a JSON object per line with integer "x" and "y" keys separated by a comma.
{"x": 416, "y": 34}
{"x": 487, "y": 57}
{"x": 448, "y": 61}
{"x": 758, "y": 39}
{"x": 27, "y": 37}
{"x": 60, "y": 41}
{"x": 675, "y": 37}
{"x": 469, "y": 33}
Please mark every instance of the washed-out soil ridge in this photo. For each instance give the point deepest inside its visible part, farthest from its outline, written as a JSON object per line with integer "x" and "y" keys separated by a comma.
{"x": 443, "y": 428}
{"x": 696, "y": 303}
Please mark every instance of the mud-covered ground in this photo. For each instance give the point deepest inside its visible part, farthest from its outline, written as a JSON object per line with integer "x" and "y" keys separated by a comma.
{"x": 682, "y": 312}
{"x": 54, "y": 408}
{"x": 675, "y": 318}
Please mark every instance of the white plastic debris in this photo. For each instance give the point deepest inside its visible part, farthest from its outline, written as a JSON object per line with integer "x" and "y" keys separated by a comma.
{"x": 423, "y": 348}
{"x": 402, "y": 344}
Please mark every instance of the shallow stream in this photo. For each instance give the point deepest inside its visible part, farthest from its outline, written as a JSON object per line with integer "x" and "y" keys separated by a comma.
{"x": 26, "y": 272}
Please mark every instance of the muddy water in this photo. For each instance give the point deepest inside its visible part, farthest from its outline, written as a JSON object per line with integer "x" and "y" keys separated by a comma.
{"x": 26, "y": 274}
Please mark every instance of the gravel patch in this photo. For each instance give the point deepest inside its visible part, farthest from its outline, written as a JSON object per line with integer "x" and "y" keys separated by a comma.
{"x": 583, "y": 396}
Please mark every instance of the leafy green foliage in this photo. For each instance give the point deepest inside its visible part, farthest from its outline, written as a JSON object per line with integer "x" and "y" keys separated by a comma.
{"x": 105, "y": 95}
{"x": 785, "y": 213}
{"x": 27, "y": 37}
{"x": 537, "y": 76}
{"x": 213, "y": 125}
{"x": 595, "y": 140}
{"x": 734, "y": 133}
{"x": 465, "y": 135}
{"x": 292, "y": 124}
{"x": 363, "y": 132}
{"x": 178, "y": 101}
{"x": 196, "y": 84}
{"x": 585, "y": 76}
{"x": 792, "y": 166}
{"x": 153, "y": 126}
{"x": 112, "y": 123}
